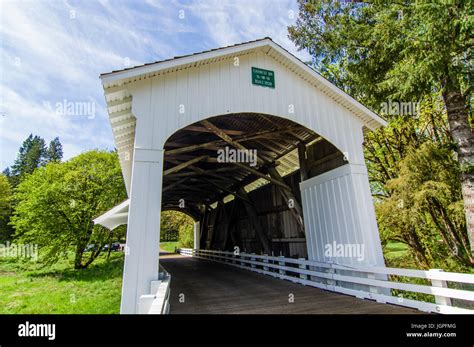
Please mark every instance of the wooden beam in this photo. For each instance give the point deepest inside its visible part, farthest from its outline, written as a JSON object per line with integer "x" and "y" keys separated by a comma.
{"x": 184, "y": 148}
{"x": 293, "y": 133}
{"x": 193, "y": 147}
{"x": 226, "y": 137}
{"x": 266, "y": 133}
{"x": 253, "y": 218}
{"x": 181, "y": 166}
{"x": 302, "y": 156}
{"x": 172, "y": 185}
{"x": 220, "y": 229}
{"x": 234, "y": 193}
{"x": 262, "y": 175}
{"x": 219, "y": 186}
{"x": 194, "y": 173}
{"x": 296, "y": 211}
{"x": 326, "y": 158}
{"x": 205, "y": 130}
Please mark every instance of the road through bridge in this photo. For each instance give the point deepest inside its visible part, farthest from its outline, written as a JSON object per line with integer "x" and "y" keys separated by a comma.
{"x": 204, "y": 287}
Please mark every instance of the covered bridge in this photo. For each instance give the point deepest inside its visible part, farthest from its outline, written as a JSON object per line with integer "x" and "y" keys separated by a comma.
{"x": 259, "y": 149}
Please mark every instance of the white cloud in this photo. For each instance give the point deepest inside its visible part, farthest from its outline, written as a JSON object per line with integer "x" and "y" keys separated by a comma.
{"x": 52, "y": 51}
{"x": 230, "y": 22}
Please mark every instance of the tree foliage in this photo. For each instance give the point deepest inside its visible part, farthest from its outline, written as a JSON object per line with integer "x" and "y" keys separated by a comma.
{"x": 33, "y": 154}
{"x": 425, "y": 209}
{"x": 382, "y": 51}
{"x": 55, "y": 150}
{"x": 388, "y": 49}
{"x": 180, "y": 223}
{"x": 56, "y": 204}
{"x": 30, "y": 156}
{"x": 5, "y": 209}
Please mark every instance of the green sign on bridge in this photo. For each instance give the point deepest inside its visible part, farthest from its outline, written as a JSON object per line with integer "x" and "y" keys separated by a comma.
{"x": 264, "y": 78}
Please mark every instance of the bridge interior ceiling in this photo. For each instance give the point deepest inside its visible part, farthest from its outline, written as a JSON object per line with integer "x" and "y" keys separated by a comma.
{"x": 197, "y": 174}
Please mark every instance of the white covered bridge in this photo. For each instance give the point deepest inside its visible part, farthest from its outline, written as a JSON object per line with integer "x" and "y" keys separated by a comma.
{"x": 266, "y": 156}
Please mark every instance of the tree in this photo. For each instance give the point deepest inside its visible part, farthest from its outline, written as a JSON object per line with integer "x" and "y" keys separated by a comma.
{"x": 387, "y": 146}
{"x": 54, "y": 151}
{"x": 57, "y": 203}
{"x": 383, "y": 50}
{"x": 174, "y": 222}
{"x": 5, "y": 209}
{"x": 424, "y": 209}
{"x": 31, "y": 155}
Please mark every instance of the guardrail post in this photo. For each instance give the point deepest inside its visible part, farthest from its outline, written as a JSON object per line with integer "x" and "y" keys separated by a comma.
{"x": 242, "y": 257}
{"x": 303, "y": 266}
{"x": 374, "y": 289}
{"x": 265, "y": 260}
{"x": 332, "y": 271}
{"x": 440, "y": 300}
{"x": 281, "y": 262}
{"x": 253, "y": 259}
{"x": 227, "y": 258}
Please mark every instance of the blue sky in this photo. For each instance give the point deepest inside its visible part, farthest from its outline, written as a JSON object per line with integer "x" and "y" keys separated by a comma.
{"x": 52, "y": 52}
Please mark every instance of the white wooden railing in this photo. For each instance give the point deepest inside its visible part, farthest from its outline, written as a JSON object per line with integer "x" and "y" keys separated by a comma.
{"x": 339, "y": 278}
{"x": 159, "y": 301}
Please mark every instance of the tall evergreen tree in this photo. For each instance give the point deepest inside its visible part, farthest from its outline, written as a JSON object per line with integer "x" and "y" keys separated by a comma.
{"x": 32, "y": 154}
{"x": 55, "y": 150}
{"x": 6, "y": 230}
{"x": 404, "y": 51}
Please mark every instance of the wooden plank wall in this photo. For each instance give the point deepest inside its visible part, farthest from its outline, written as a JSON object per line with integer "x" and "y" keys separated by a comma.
{"x": 228, "y": 225}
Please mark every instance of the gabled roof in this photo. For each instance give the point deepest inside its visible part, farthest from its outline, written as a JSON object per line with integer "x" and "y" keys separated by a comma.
{"x": 113, "y": 80}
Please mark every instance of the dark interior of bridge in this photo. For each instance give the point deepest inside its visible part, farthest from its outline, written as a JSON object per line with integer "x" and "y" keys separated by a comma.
{"x": 252, "y": 202}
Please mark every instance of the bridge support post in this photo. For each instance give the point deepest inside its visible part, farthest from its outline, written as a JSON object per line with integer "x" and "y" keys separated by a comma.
{"x": 197, "y": 236}
{"x": 143, "y": 233}
{"x": 340, "y": 220}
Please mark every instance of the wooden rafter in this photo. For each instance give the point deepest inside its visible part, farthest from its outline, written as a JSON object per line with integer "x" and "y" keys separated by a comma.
{"x": 172, "y": 185}
{"x": 194, "y": 173}
{"x": 205, "y": 130}
{"x": 262, "y": 175}
{"x": 288, "y": 195}
{"x": 226, "y": 137}
{"x": 184, "y": 165}
{"x": 253, "y": 218}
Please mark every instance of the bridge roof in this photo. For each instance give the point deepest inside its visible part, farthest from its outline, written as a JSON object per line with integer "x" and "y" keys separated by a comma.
{"x": 114, "y": 82}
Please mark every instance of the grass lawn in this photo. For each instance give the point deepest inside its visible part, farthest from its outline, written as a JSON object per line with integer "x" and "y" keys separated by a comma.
{"x": 394, "y": 250}
{"x": 28, "y": 287}
{"x": 169, "y": 246}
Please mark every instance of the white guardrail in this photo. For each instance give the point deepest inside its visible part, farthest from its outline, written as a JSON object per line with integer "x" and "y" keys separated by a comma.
{"x": 331, "y": 276}
{"x": 159, "y": 302}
